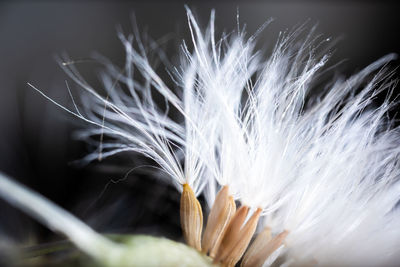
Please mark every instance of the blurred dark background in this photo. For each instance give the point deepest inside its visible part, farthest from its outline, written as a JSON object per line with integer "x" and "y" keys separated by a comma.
{"x": 36, "y": 144}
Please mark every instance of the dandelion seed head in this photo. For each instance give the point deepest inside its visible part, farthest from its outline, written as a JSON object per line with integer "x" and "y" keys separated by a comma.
{"x": 320, "y": 169}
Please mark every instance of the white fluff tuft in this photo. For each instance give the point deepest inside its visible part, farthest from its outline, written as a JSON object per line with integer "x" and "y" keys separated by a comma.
{"x": 342, "y": 198}
{"x": 329, "y": 172}
{"x": 323, "y": 166}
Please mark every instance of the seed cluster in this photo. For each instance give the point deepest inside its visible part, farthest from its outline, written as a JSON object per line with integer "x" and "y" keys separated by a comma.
{"x": 227, "y": 234}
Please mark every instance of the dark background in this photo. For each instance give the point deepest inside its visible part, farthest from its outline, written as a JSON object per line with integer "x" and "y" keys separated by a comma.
{"x": 36, "y": 144}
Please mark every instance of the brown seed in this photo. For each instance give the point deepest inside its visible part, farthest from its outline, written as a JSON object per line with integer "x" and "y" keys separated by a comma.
{"x": 231, "y": 234}
{"x": 244, "y": 238}
{"x": 231, "y": 212}
{"x": 218, "y": 219}
{"x": 262, "y": 238}
{"x": 191, "y": 217}
{"x": 215, "y": 217}
{"x": 262, "y": 248}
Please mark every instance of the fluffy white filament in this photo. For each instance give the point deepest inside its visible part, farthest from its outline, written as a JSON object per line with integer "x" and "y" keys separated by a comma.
{"x": 323, "y": 166}
{"x": 329, "y": 172}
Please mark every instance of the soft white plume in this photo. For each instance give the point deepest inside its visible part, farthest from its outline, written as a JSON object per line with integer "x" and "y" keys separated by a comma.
{"x": 323, "y": 166}
{"x": 343, "y": 205}
{"x": 327, "y": 172}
